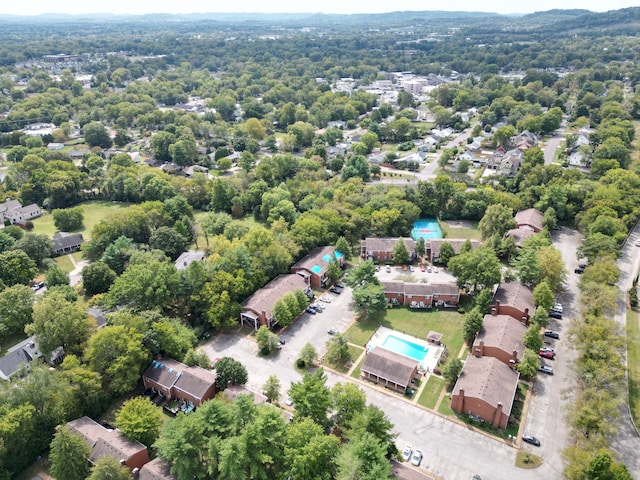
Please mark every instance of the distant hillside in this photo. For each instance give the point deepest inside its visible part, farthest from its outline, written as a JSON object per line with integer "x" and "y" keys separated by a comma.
{"x": 620, "y": 21}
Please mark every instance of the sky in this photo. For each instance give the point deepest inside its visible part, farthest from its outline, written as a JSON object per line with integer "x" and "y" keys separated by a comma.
{"x": 136, "y": 7}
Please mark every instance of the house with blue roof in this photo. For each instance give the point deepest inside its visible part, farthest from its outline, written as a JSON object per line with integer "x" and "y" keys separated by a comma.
{"x": 315, "y": 264}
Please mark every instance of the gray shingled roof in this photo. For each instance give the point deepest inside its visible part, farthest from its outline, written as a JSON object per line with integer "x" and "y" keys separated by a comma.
{"x": 63, "y": 240}
{"x": 156, "y": 469}
{"x": 515, "y": 294}
{"x": 103, "y": 441}
{"x": 503, "y": 332}
{"x": 265, "y": 298}
{"x": 373, "y": 244}
{"x": 389, "y": 365}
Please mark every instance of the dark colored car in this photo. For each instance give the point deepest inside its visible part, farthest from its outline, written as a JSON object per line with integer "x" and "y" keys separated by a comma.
{"x": 339, "y": 284}
{"x": 530, "y": 439}
{"x": 555, "y": 314}
{"x": 310, "y": 310}
{"x": 335, "y": 290}
{"x": 579, "y": 270}
{"x": 551, "y": 334}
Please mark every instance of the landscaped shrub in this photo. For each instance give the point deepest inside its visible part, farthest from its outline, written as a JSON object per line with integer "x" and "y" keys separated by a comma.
{"x": 300, "y": 363}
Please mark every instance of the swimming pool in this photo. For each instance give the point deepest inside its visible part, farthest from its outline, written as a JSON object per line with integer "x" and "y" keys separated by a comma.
{"x": 405, "y": 347}
{"x": 426, "y": 228}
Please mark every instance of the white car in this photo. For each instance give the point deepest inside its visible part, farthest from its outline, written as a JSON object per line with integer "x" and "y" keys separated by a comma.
{"x": 406, "y": 453}
{"x": 416, "y": 458}
{"x": 325, "y": 299}
{"x": 435, "y": 269}
{"x": 411, "y": 268}
{"x": 288, "y": 401}
{"x": 558, "y": 308}
{"x": 637, "y": 243}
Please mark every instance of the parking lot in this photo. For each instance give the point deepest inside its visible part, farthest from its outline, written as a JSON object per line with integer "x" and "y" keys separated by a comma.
{"x": 396, "y": 273}
{"x": 308, "y": 328}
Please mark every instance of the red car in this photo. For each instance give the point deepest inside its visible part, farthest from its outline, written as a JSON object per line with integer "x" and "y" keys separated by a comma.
{"x": 547, "y": 354}
{"x": 423, "y": 268}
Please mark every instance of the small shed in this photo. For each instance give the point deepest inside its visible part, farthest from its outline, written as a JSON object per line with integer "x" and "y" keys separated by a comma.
{"x": 434, "y": 337}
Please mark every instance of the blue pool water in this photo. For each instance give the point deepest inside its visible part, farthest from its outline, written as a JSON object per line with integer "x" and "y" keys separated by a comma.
{"x": 406, "y": 348}
{"x": 426, "y": 228}
{"x": 316, "y": 269}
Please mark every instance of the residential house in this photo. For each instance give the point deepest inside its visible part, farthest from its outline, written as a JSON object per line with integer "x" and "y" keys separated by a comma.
{"x": 514, "y": 299}
{"x": 421, "y": 295}
{"x": 19, "y": 357}
{"x": 390, "y": 369}
{"x": 315, "y": 264}
{"x": 519, "y": 235}
{"x": 530, "y": 218}
{"x": 486, "y": 390}
{"x": 178, "y": 381}
{"x": 109, "y": 442}
{"x": 232, "y": 392}
{"x": 381, "y": 249}
{"x": 98, "y": 315}
{"x": 156, "y": 469}
{"x": 65, "y": 242}
{"x": 501, "y": 338}
{"x": 186, "y": 258}
{"x": 524, "y": 140}
{"x": 432, "y": 247}
{"x": 13, "y": 212}
{"x": 507, "y": 164}
{"x": 193, "y": 169}
{"x": 258, "y": 308}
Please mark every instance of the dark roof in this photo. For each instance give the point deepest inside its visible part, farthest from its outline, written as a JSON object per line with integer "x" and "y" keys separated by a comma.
{"x": 162, "y": 372}
{"x": 372, "y": 244}
{"x": 515, "y": 294}
{"x": 13, "y": 361}
{"x": 170, "y": 373}
{"x": 503, "y": 332}
{"x": 62, "y": 240}
{"x": 419, "y": 288}
{"x": 265, "y": 298}
{"x": 488, "y": 379}
{"x": 156, "y": 469}
{"x": 104, "y": 441}
{"x": 98, "y": 315}
{"x": 390, "y": 366}
{"x": 393, "y": 286}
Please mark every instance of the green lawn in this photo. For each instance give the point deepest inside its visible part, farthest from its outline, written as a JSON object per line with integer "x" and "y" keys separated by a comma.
{"x": 10, "y": 339}
{"x": 454, "y": 232}
{"x": 633, "y": 359}
{"x": 64, "y": 263}
{"x": 94, "y": 212}
{"x": 356, "y": 371}
{"x": 416, "y": 323}
{"x": 431, "y": 392}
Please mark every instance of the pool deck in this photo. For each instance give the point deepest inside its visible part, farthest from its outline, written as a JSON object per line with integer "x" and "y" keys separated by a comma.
{"x": 432, "y": 357}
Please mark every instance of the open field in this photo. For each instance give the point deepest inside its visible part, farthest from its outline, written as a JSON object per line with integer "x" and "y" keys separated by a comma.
{"x": 456, "y": 232}
{"x": 94, "y": 212}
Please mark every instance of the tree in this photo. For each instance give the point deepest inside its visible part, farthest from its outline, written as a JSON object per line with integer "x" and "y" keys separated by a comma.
{"x": 497, "y": 220}
{"x": 184, "y": 151}
{"x": 540, "y": 316}
{"x": 59, "y": 323}
{"x": 532, "y": 338}
{"x": 109, "y": 468}
{"x": 267, "y": 340}
{"x": 365, "y": 458}
{"x": 311, "y": 397}
{"x": 400, "y": 252}
{"x": 68, "y": 219}
{"x": 37, "y": 247}
{"x": 308, "y": 452}
{"x": 479, "y": 267}
{"x": 169, "y": 241}
{"x": 343, "y": 247}
{"x": 16, "y": 308}
{"x": 160, "y": 143}
{"x": 503, "y": 134}
{"x": 526, "y": 264}
{"x": 356, "y": 166}
{"x": 338, "y": 350}
{"x": 97, "y": 277}
{"x": 446, "y": 253}
{"x": 364, "y": 273}
{"x": 370, "y": 300}
{"x": 199, "y": 357}
{"x": 16, "y": 268}
{"x": 117, "y": 254}
{"x": 348, "y": 401}
{"x": 271, "y": 388}
{"x": 308, "y": 354}
{"x": 69, "y": 455}
{"x": 56, "y": 277}
{"x": 472, "y": 324}
{"x": 551, "y": 266}
{"x": 595, "y": 245}
{"x": 173, "y": 336}
{"x": 230, "y": 372}
{"x": 543, "y": 296}
{"x": 139, "y": 420}
{"x": 118, "y": 354}
{"x": 452, "y": 370}
{"x": 420, "y": 247}
{"x": 96, "y": 135}
{"x": 529, "y": 363}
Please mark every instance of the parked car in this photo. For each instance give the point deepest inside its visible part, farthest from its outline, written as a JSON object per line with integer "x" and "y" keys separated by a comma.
{"x": 555, "y": 314}
{"x": 406, "y": 453}
{"x": 530, "y": 439}
{"x": 423, "y": 268}
{"x": 637, "y": 243}
{"x": 335, "y": 290}
{"x": 339, "y": 284}
{"x": 288, "y": 402}
{"x": 547, "y": 349}
{"x": 325, "y": 299}
{"x": 37, "y": 286}
{"x": 547, "y": 354}
{"x": 558, "y": 307}
{"x": 552, "y": 334}
{"x": 281, "y": 341}
{"x": 404, "y": 268}
{"x": 388, "y": 269}
{"x": 416, "y": 458}
{"x": 428, "y": 268}
{"x": 332, "y": 331}
{"x": 546, "y": 369}
{"x": 318, "y": 307}
{"x": 411, "y": 268}
{"x": 310, "y": 310}
{"x": 435, "y": 269}
{"x": 583, "y": 266}
{"x": 377, "y": 268}
{"x": 579, "y": 270}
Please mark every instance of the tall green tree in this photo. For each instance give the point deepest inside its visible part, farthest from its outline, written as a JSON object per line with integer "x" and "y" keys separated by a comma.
{"x": 543, "y": 296}
{"x": 97, "y": 277}
{"x": 68, "y": 219}
{"x": 479, "y": 267}
{"x": 308, "y": 354}
{"x": 96, "y": 135}
{"x": 139, "y": 420}
{"x": 446, "y": 253}
{"x": 497, "y": 220}
{"x": 400, "y": 252}
{"x": 532, "y": 338}
{"x": 370, "y": 300}
{"x": 311, "y": 397}
{"x": 452, "y": 370}
{"x": 69, "y": 455}
{"x": 338, "y": 350}
{"x": 16, "y": 268}
{"x": 529, "y": 363}
{"x": 272, "y": 388}
{"x": 230, "y": 372}
{"x": 16, "y": 308}
{"x": 472, "y": 324}
{"x": 109, "y": 468}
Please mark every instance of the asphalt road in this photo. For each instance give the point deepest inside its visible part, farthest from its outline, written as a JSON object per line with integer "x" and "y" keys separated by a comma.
{"x": 553, "y": 143}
